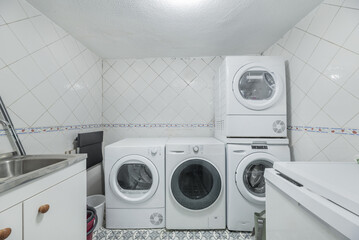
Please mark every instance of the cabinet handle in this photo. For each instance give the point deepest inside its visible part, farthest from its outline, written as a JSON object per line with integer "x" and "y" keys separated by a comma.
{"x": 4, "y": 233}
{"x": 43, "y": 209}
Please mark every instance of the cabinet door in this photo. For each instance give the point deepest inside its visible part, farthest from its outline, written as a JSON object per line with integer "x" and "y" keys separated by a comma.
{"x": 66, "y": 216}
{"x": 12, "y": 218}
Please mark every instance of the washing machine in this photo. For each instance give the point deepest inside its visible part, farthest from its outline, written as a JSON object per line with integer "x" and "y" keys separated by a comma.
{"x": 250, "y": 98}
{"x": 246, "y": 163}
{"x": 195, "y": 184}
{"x": 135, "y": 183}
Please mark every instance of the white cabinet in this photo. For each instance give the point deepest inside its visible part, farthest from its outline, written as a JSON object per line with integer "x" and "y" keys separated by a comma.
{"x": 11, "y": 219}
{"x": 63, "y": 191}
{"x": 66, "y": 216}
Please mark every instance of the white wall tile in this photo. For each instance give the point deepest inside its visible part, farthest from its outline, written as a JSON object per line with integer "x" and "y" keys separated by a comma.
{"x": 45, "y": 28}
{"x": 2, "y": 21}
{"x": 45, "y": 61}
{"x": 307, "y": 78}
{"x": 307, "y": 110}
{"x": 322, "y": 91}
{"x": 71, "y": 45}
{"x": 295, "y": 68}
{"x": 344, "y": 64}
{"x": 139, "y": 66}
{"x": 46, "y": 94}
{"x": 160, "y": 90}
{"x": 12, "y": 88}
{"x": 305, "y": 149}
{"x": 296, "y": 95}
{"x": 306, "y": 21}
{"x": 322, "y": 19}
{"x": 38, "y": 79}
{"x": 11, "y": 49}
{"x": 60, "y": 53}
{"x": 334, "y": 2}
{"x": 353, "y": 123}
{"x": 28, "y": 71}
{"x": 323, "y": 98}
{"x": 24, "y": 30}
{"x": 352, "y": 41}
{"x": 342, "y": 26}
{"x": 28, "y": 108}
{"x": 158, "y": 65}
{"x": 45, "y": 120}
{"x": 339, "y": 107}
{"x": 294, "y": 40}
{"x": 29, "y": 9}
{"x": 11, "y": 11}
{"x": 351, "y": 4}
{"x": 340, "y": 151}
{"x": 307, "y": 46}
{"x": 352, "y": 85}
{"x": 322, "y": 55}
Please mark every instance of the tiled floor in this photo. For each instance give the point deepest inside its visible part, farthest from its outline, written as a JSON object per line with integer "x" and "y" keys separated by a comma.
{"x": 159, "y": 234}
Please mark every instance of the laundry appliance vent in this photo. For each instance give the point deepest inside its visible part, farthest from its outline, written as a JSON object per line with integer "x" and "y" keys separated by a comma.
{"x": 156, "y": 218}
{"x": 278, "y": 126}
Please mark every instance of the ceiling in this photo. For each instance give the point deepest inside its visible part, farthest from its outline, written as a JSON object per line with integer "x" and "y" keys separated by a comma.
{"x": 166, "y": 28}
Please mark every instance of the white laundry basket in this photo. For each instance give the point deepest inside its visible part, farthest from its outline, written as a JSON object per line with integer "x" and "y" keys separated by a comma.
{"x": 97, "y": 202}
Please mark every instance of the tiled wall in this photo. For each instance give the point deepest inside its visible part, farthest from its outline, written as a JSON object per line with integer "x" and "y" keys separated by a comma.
{"x": 323, "y": 54}
{"x": 50, "y": 83}
{"x": 52, "y": 86}
{"x": 158, "y": 97}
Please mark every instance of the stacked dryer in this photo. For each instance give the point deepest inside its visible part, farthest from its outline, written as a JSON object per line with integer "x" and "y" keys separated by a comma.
{"x": 251, "y": 118}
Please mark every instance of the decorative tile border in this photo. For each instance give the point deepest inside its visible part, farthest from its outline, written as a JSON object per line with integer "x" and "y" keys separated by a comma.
{"x": 327, "y": 130}
{"x": 53, "y": 129}
{"x": 342, "y": 131}
{"x": 115, "y": 125}
{"x": 160, "y": 125}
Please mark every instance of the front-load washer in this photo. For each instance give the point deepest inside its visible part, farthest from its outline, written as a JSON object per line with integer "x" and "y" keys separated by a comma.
{"x": 195, "y": 184}
{"x": 135, "y": 183}
{"x": 250, "y": 98}
{"x": 246, "y": 163}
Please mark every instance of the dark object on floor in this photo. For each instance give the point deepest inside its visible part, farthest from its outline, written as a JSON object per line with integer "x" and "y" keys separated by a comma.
{"x": 260, "y": 226}
{"x": 90, "y": 143}
{"x": 91, "y": 221}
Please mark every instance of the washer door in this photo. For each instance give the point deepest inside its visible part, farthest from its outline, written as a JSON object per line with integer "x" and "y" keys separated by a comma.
{"x": 250, "y": 176}
{"x": 196, "y": 184}
{"x": 134, "y": 179}
{"x": 256, "y": 87}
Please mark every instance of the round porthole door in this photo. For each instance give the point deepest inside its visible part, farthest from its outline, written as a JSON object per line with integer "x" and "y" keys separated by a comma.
{"x": 256, "y": 87}
{"x": 250, "y": 176}
{"x": 196, "y": 184}
{"x": 134, "y": 179}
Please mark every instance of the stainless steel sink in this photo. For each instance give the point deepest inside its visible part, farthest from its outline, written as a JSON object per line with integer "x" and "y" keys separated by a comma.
{"x": 22, "y": 165}
{"x": 17, "y": 170}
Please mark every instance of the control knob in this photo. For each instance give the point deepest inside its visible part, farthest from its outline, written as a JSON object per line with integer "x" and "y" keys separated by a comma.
{"x": 154, "y": 151}
{"x": 195, "y": 149}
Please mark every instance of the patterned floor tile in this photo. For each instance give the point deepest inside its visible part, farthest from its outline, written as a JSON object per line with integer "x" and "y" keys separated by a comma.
{"x": 163, "y": 234}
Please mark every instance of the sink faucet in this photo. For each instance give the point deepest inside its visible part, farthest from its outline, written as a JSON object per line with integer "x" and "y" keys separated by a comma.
{"x": 11, "y": 132}
{"x": 7, "y": 124}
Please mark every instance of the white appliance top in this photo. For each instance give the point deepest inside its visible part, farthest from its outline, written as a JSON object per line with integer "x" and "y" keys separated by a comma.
{"x": 193, "y": 140}
{"x": 249, "y": 141}
{"x": 139, "y": 142}
{"x": 337, "y": 182}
